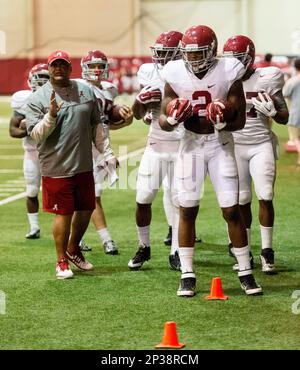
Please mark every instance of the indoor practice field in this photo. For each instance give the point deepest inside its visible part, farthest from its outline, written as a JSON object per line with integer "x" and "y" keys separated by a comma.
{"x": 114, "y": 308}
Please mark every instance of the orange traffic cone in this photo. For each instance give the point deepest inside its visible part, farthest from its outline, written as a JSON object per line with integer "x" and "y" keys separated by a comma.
{"x": 170, "y": 339}
{"x": 216, "y": 291}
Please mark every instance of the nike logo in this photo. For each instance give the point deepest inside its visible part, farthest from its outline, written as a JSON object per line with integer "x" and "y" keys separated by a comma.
{"x": 209, "y": 86}
{"x": 152, "y": 143}
{"x": 225, "y": 143}
{"x": 269, "y": 110}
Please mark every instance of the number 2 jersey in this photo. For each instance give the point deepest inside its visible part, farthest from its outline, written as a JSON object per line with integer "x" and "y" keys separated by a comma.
{"x": 214, "y": 85}
{"x": 258, "y": 128}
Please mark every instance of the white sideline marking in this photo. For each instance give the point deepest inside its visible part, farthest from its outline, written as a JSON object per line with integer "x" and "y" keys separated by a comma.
{"x": 13, "y": 198}
{"x": 23, "y": 195}
{"x": 9, "y": 170}
{"x": 8, "y": 157}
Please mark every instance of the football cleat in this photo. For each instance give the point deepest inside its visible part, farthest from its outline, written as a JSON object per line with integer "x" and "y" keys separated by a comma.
{"x": 142, "y": 255}
{"x": 110, "y": 247}
{"x": 63, "y": 270}
{"x": 84, "y": 247}
{"x": 168, "y": 239}
{"x": 249, "y": 285}
{"x": 198, "y": 239}
{"x": 187, "y": 287}
{"x": 79, "y": 261}
{"x": 174, "y": 261}
{"x": 33, "y": 234}
{"x": 267, "y": 261}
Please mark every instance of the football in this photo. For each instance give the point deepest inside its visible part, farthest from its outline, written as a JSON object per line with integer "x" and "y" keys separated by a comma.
{"x": 175, "y": 104}
{"x": 114, "y": 114}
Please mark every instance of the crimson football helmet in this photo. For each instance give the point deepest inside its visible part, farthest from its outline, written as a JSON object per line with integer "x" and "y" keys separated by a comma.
{"x": 166, "y": 48}
{"x": 242, "y": 48}
{"x": 38, "y": 76}
{"x": 199, "y": 48}
{"x": 94, "y": 74}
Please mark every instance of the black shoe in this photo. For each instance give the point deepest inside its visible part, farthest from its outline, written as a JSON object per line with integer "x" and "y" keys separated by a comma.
{"x": 236, "y": 266}
{"x": 33, "y": 234}
{"x": 141, "y": 256}
{"x": 198, "y": 239}
{"x": 84, "y": 247}
{"x": 249, "y": 285}
{"x": 187, "y": 287}
{"x": 168, "y": 239}
{"x": 267, "y": 261}
{"x": 174, "y": 261}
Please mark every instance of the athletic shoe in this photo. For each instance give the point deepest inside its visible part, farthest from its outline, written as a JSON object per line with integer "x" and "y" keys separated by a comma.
{"x": 84, "y": 247}
{"x": 33, "y": 234}
{"x": 267, "y": 261}
{"x": 142, "y": 255}
{"x": 187, "y": 287}
{"x": 249, "y": 285}
{"x": 198, "y": 239}
{"x": 79, "y": 261}
{"x": 110, "y": 247}
{"x": 63, "y": 270}
{"x": 235, "y": 267}
{"x": 168, "y": 239}
{"x": 174, "y": 261}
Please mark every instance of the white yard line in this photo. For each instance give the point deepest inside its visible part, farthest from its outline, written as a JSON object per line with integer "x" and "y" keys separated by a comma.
{"x": 9, "y": 170}
{"x": 23, "y": 194}
{"x": 9, "y": 157}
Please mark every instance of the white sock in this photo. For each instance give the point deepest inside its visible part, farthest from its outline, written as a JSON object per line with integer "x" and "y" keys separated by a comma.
{"x": 175, "y": 226}
{"x": 168, "y": 206}
{"x": 243, "y": 258}
{"x": 144, "y": 235}
{"x": 104, "y": 235}
{"x": 33, "y": 219}
{"x": 266, "y": 237}
{"x": 186, "y": 259}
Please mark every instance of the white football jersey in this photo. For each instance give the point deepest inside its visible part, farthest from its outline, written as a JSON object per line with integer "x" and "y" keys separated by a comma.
{"x": 149, "y": 75}
{"x": 214, "y": 85}
{"x": 18, "y": 104}
{"x": 105, "y": 95}
{"x": 257, "y": 128}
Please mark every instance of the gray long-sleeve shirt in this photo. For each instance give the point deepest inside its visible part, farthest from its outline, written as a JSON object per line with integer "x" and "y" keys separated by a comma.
{"x": 65, "y": 143}
{"x": 291, "y": 91}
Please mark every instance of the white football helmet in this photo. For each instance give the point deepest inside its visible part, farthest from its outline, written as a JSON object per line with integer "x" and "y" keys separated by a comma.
{"x": 91, "y": 74}
{"x": 38, "y": 76}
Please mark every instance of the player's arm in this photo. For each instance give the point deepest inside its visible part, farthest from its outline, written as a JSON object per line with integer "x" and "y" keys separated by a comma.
{"x": 282, "y": 112}
{"x": 145, "y": 99}
{"x": 236, "y": 97}
{"x": 17, "y": 126}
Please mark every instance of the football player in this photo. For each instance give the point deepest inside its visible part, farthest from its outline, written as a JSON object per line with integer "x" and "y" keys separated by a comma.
{"x": 207, "y": 88}
{"x": 161, "y": 150}
{"x": 256, "y": 146}
{"x": 37, "y": 77}
{"x": 94, "y": 71}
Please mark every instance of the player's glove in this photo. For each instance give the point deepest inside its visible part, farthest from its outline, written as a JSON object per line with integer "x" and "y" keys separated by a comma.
{"x": 264, "y": 104}
{"x": 149, "y": 94}
{"x": 148, "y": 117}
{"x": 215, "y": 114}
{"x": 178, "y": 110}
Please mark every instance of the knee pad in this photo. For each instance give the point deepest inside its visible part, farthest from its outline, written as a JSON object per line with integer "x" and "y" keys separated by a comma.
{"x": 98, "y": 190}
{"x": 245, "y": 197}
{"x": 32, "y": 191}
{"x": 266, "y": 193}
{"x": 145, "y": 197}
